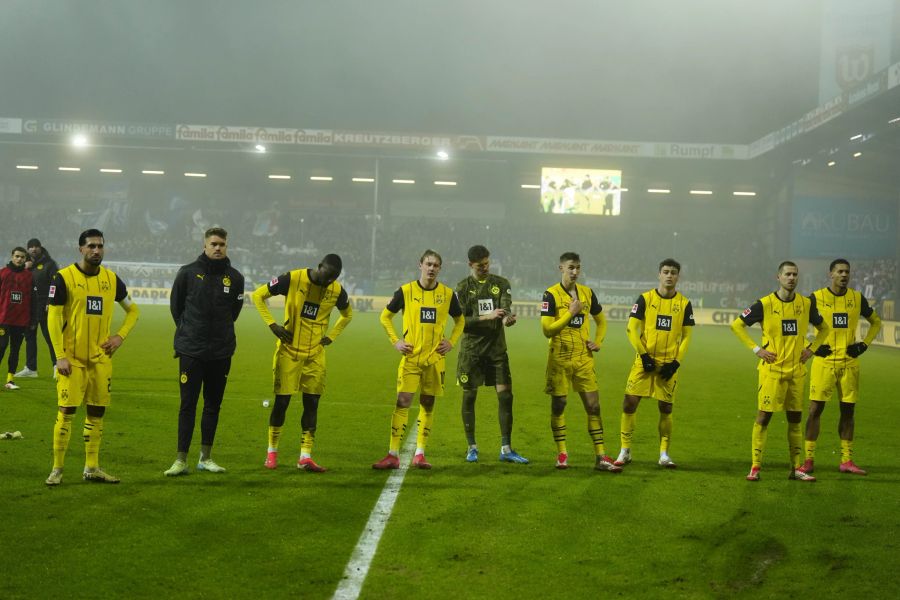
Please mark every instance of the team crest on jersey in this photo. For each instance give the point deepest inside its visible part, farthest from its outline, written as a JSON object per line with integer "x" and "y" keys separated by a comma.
{"x": 464, "y": 378}
{"x": 634, "y": 308}
{"x": 495, "y": 289}
{"x": 104, "y": 285}
{"x": 184, "y": 377}
{"x": 676, "y": 308}
{"x": 439, "y": 299}
{"x": 746, "y": 312}
{"x": 226, "y": 281}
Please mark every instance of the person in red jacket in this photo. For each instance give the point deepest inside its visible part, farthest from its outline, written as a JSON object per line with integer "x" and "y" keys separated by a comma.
{"x": 15, "y": 309}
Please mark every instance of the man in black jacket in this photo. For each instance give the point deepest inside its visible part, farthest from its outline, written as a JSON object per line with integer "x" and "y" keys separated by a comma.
{"x": 206, "y": 299}
{"x": 43, "y": 268}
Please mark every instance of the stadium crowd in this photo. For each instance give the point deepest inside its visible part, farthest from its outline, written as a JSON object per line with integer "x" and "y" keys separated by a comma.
{"x": 265, "y": 244}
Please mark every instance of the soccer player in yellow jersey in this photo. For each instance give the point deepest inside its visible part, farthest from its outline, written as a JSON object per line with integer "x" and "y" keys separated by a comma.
{"x": 784, "y": 317}
{"x": 659, "y": 330}
{"x": 299, "y": 363}
{"x": 564, "y": 313}
{"x": 81, "y": 306}
{"x": 426, "y": 305}
{"x": 841, "y": 306}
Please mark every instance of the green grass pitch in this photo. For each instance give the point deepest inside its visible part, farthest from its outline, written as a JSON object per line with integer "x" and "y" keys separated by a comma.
{"x": 486, "y": 530}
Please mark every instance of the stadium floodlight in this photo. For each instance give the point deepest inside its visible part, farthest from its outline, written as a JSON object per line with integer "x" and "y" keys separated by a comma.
{"x": 405, "y": 181}
{"x": 363, "y": 180}
{"x": 321, "y": 178}
{"x": 283, "y": 177}
{"x": 744, "y": 193}
{"x": 192, "y": 174}
{"x": 27, "y": 167}
{"x": 530, "y": 186}
{"x": 658, "y": 191}
{"x": 447, "y": 183}
{"x": 856, "y": 137}
{"x": 831, "y": 163}
{"x": 79, "y": 140}
{"x": 857, "y": 154}
{"x": 110, "y": 170}
{"x": 443, "y": 155}
{"x": 71, "y": 169}
{"x": 260, "y": 148}
{"x": 623, "y": 189}
{"x": 702, "y": 192}
{"x": 894, "y": 120}
{"x": 152, "y": 172}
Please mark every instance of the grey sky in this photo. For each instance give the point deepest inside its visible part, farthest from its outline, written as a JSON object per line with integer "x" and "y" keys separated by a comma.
{"x": 687, "y": 70}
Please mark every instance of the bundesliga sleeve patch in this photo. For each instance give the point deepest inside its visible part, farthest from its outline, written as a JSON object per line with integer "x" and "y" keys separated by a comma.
{"x": 52, "y": 291}
{"x": 634, "y": 308}
{"x": 746, "y": 312}
{"x": 274, "y": 282}
{"x": 545, "y": 306}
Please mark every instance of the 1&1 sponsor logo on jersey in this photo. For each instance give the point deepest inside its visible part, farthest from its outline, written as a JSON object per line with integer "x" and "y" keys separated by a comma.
{"x": 94, "y": 305}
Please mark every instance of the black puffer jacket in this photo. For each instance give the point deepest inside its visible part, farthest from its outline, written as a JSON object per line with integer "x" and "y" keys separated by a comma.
{"x": 206, "y": 300}
{"x": 43, "y": 271}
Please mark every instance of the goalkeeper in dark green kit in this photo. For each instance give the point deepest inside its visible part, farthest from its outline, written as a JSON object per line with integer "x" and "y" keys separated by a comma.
{"x": 487, "y": 308}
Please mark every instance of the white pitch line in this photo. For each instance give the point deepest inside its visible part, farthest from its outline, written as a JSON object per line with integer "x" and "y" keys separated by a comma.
{"x": 356, "y": 570}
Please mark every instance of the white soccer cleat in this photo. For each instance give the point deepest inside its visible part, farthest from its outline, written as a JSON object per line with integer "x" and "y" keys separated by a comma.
{"x": 209, "y": 465}
{"x": 624, "y": 458}
{"x": 26, "y": 372}
{"x": 666, "y": 462}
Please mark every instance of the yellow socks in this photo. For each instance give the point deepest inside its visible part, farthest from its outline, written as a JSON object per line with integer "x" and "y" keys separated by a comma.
{"x": 93, "y": 432}
{"x": 665, "y": 432}
{"x": 558, "y": 426}
{"x": 424, "y": 421}
{"x": 595, "y": 430}
{"x": 274, "y": 438}
{"x": 760, "y": 433}
{"x": 62, "y": 432}
{"x": 627, "y": 429}
{"x": 398, "y": 427}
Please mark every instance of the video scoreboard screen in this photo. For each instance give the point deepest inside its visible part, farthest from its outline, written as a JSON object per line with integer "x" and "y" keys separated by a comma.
{"x": 566, "y": 191}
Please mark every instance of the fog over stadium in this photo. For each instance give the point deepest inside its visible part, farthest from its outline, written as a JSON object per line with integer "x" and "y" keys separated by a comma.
{"x": 768, "y": 131}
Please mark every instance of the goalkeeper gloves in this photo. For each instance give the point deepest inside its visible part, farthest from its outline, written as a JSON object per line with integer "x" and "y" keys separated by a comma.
{"x": 823, "y": 351}
{"x": 854, "y": 350}
{"x": 648, "y": 362}
{"x": 668, "y": 370}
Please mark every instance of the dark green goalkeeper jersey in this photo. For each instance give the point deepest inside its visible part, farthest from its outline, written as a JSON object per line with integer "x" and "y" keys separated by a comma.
{"x": 483, "y": 338}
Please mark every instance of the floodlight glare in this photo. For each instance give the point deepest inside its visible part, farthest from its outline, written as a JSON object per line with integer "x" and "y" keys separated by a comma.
{"x": 442, "y": 155}
{"x": 260, "y": 148}
{"x": 79, "y": 140}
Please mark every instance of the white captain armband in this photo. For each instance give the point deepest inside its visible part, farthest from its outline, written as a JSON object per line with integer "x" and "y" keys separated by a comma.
{"x": 126, "y": 301}
{"x": 756, "y": 349}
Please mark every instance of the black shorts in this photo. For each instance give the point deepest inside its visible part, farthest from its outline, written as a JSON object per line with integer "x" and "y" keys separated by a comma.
{"x": 473, "y": 371}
